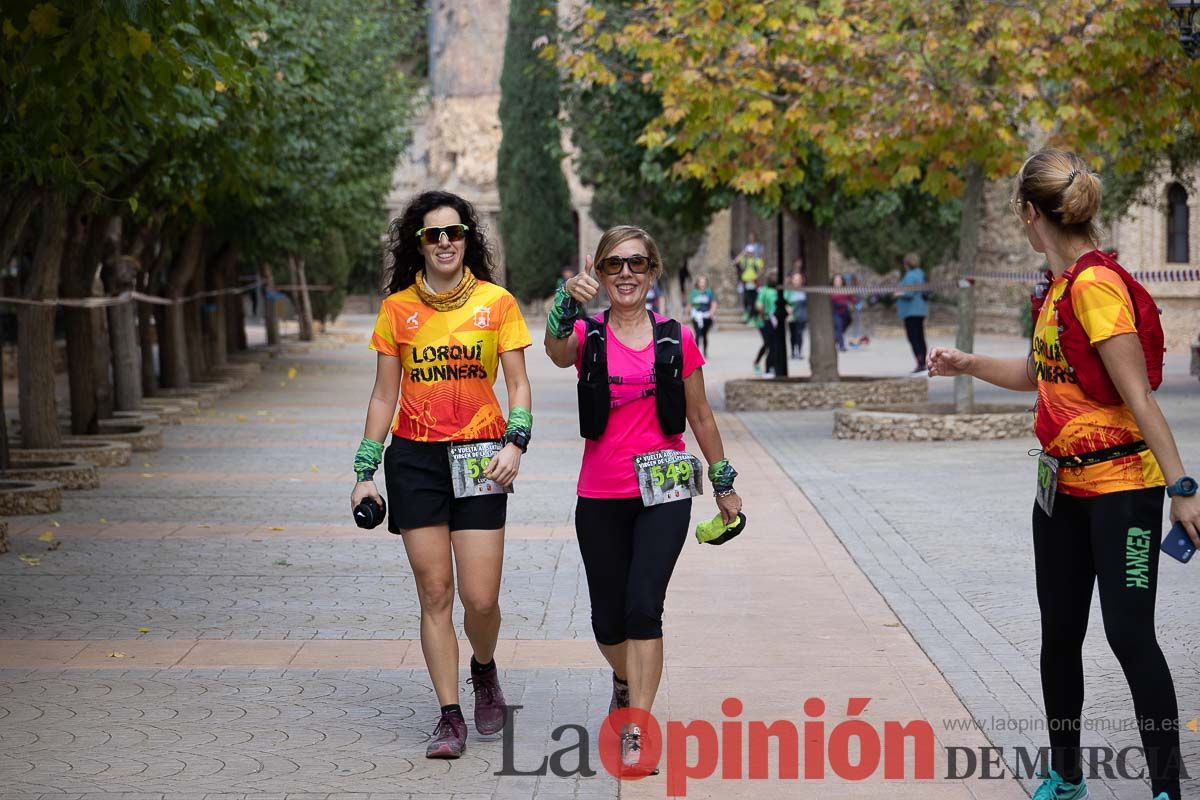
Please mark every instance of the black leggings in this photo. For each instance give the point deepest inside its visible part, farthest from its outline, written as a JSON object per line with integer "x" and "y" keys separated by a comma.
{"x": 914, "y": 328}
{"x": 629, "y": 552}
{"x": 701, "y": 330}
{"x": 1114, "y": 538}
{"x": 797, "y": 328}
{"x": 767, "y": 331}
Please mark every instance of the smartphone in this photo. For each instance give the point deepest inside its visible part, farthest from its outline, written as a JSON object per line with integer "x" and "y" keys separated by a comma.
{"x": 1178, "y": 545}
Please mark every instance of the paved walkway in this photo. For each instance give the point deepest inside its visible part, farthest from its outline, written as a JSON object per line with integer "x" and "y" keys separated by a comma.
{"x": 213, "y": 626}
{"x": 942, "y": 531}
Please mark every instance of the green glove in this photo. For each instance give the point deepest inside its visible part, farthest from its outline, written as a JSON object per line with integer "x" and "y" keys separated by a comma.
{"x": 560, "y": 320}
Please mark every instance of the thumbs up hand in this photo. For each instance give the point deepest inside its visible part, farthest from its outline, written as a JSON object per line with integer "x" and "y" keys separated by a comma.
{"x": 584, "y": 287}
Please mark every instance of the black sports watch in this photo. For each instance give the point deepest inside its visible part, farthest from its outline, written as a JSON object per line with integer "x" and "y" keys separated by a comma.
{"x": 1184, "y": 487}
{"x": 518, "y": 437}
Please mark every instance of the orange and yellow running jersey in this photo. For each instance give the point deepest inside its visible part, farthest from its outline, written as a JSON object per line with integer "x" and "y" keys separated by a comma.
{"x": 449, "y": 361}
{"x": 1068, "y": 421}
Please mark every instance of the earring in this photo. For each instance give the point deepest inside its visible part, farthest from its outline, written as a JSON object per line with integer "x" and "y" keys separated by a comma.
{"x": 1029, "y": 222}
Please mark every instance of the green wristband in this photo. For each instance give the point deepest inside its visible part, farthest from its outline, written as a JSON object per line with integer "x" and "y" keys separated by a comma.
{"x": 721, "y": 475}
{"x": 366, "y": 460}
{"x": 521, "y": 418}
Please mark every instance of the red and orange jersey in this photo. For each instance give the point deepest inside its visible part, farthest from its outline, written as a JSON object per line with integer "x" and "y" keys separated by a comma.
{"x": 1068, "y": 421}
{"x": 449, "y": 361}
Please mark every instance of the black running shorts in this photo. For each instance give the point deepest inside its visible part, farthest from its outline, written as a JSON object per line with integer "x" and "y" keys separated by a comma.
{"x": 419, "y": 492}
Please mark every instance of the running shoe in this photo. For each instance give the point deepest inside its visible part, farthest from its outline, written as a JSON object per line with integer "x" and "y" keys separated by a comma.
{"x": 620, "y": 695}
{"x": 490, "y": 709}
{"x": 631, "y": 753}
{"x": 449, "y": 737}
{"x": 1162, "y": 796}
{"x": 1055, "y": 788}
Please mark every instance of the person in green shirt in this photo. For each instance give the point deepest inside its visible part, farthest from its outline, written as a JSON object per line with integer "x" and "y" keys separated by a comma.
{"x": 764, "y": 318}
{"x": 797, "y": 300}
{"x": 702, "y": 304}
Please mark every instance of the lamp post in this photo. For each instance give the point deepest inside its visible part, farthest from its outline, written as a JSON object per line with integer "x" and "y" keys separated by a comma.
{"x": 1185, "y": 16}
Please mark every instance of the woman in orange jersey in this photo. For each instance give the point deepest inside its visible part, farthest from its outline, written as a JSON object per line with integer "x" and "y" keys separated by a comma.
{"x": 442, "y": 331}
{"x": 1107, "y": 458}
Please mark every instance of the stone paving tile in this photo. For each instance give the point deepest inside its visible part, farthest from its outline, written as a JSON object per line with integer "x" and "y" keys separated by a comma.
{"x": 274, "y": 733}
{"x": 283, "y": 588}
{"x": 959, "y": 572}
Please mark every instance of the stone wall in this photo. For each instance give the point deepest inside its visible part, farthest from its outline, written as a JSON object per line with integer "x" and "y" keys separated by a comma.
{"x": 932, "y": 422}
{"x": 791, "y": 394}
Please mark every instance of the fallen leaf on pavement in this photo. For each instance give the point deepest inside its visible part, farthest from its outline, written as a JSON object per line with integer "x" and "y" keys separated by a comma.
{"x": 291, "y": 373}
{"x": 143, "y": 630}
{"x": 48, "y": 536}
{"x": 54, "y": 545}
{"x": 283, "y": 562}
{"x": 241, "y": 417}
{"x": 147, "y": 474}
{"x": 54, "y": 522}
{"x": 277, "y": 528}
{"x": 315, "y": 468}
{"x": 31, "y": 561}
{"x": 116, "y": 654}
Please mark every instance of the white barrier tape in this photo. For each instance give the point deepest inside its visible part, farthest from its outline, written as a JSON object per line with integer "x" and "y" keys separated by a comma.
{"x": 128, "y": 297}
{"x": 1030, "y": 278}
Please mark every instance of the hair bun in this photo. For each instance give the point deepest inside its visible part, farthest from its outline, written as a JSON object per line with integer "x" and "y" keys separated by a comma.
{"x": 1080, "y": 198}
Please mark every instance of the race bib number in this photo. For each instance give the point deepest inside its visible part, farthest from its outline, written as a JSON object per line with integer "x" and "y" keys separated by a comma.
{"x": 1047, "y": 483}
{"x": 667, "y": 475}
{"x": 468, "y": 462}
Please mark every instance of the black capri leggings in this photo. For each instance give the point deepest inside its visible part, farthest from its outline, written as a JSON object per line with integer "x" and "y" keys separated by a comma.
{"x": 629, "y": 552}
{"x": 1112, "y": 538}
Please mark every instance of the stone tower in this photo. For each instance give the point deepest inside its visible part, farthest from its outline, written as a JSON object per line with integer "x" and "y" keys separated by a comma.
{"x": 456, "y": 140}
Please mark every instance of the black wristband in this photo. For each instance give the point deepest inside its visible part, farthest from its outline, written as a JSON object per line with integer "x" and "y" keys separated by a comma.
{"x": 518, "y": 437}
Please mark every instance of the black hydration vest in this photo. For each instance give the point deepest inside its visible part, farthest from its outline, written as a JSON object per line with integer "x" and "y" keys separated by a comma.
{"x": 594, "y": 393}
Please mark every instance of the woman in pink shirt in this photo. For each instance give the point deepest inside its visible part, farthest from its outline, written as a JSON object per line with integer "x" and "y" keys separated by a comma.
{"x": 640, "y": 379}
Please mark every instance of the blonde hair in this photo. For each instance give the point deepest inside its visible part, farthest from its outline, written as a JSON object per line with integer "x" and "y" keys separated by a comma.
{"x": 1060, "y": 186}
{"x": 614, "y": 236}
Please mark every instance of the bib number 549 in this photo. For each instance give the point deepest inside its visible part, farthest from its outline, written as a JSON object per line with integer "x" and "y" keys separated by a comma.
{"x": 676, "y": 473}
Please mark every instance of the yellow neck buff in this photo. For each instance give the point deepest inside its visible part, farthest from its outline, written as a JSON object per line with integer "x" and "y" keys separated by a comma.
{"x": 449, "y": 300}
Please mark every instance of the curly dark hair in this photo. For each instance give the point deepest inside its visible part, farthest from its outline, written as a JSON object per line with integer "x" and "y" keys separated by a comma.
{"x": 405, "y": 248}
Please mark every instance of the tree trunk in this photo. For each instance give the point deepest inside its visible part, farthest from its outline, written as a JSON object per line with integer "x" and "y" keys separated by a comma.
{"x": 304, "y": 307}
{"x": 152, "y": 318}
{"x": 147, "y": 335}
{"x": 823, "y": 350}
{"x": 968, "y": 249}
{"x": 172, "y": 349}
{"x": 16, "y": 216}
{"x": 172, "y": 345}
{"x": 195, "y": 331}
{"x": 120, "y": 275}
{"x": 78, "y": 274}
{"x": 102, "y": 360}
{"x": 218, "y": 327}
{"x": 3, "y": 427}
{"x": 235, "y": 318}
{"x": 270, "y": 318}
{"x": 35, "y": 330}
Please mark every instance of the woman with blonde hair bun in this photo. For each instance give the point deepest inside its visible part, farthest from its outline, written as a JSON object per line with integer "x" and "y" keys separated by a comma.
{"x": 1107, "y": 455}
